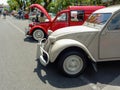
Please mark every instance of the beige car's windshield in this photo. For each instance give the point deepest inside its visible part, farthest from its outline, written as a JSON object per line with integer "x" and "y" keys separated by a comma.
{"x": 99, "y": 18}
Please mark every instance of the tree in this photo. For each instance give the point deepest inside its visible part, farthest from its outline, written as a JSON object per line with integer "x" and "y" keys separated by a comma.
{"x": 46, "y": 3}
{"x": 115, "y": 2}
{"x": 13, "y": 4}
{"x": 35, "y": 1}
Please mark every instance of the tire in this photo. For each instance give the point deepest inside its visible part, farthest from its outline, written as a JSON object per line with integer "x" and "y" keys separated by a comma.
{"x": 37, "y": 34}
{"x": 72, "y": 63}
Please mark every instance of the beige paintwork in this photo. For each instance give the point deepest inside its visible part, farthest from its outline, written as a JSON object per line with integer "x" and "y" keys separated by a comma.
{"x": 98, "y": 41}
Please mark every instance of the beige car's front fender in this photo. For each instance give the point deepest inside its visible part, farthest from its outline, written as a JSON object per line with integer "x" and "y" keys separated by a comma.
{"x": 62, "y": 44}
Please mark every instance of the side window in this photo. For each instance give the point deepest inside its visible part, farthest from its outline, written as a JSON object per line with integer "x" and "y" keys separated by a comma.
{"x": 62, "y": 17}
{"x": 115, "y": 23}
{"x": 77, "y": 15}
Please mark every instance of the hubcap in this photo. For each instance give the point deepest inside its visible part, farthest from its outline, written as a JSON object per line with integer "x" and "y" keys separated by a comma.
{"x": 73, "y": 64}
{"x": 38, "y": 34}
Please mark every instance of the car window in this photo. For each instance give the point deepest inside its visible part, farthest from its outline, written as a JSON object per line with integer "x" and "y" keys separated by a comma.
{"x": 62, "y": 17}
{"x": 77, "y": 15}
{"x": 115, "y": 23}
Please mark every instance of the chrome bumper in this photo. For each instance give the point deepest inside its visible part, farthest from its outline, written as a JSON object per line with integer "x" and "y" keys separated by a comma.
{"x": 42, "y": 55}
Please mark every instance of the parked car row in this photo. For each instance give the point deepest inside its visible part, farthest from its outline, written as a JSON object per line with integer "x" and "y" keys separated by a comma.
{"x": 44, "y": 25}
{"x": 95, "y": 39}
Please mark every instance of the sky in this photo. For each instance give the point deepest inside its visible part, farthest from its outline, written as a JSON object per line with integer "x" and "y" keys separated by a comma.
{"x": 3, "y": 2}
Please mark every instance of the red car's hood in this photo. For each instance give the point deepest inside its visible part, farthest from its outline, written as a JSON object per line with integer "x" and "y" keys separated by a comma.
{"x": 42, "y": 9}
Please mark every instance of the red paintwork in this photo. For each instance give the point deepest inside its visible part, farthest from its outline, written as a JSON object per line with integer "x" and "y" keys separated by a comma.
{"x": 54, "y": 25}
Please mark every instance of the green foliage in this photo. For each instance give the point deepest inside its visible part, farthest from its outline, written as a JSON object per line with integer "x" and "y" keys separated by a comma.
{"x": 35, "y": 1}
{"x": 51, "y": 7}
{"x": 13, "y": 4}
{"x": 57, "y": 5}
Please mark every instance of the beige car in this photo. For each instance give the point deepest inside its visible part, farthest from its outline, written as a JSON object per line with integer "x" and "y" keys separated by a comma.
{"x": 73, "y": 47}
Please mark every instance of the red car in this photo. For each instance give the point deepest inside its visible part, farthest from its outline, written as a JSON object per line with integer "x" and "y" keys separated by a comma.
{"x": 73, "y": 15}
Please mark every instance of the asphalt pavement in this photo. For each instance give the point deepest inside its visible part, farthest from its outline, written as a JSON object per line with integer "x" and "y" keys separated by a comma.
{"x": 20, "y": 71}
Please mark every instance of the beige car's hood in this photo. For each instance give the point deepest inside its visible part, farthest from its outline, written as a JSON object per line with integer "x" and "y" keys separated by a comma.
{"x": 73, "y": 30}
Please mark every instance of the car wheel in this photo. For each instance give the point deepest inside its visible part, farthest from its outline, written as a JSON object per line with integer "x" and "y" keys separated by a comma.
{"x": 38, "y": 34}
{"x": 72, "y": 63}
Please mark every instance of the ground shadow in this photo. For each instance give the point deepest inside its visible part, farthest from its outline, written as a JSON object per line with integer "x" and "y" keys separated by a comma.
{"x": 51, "y": 75}
{"x": 107, "y": 72}
{"x": 30, "y": 40}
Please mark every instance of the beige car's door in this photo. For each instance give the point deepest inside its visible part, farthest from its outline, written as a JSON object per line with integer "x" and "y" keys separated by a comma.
{"x": 109, "y": 43}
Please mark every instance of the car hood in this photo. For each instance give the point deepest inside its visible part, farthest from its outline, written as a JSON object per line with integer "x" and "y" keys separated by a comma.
{"x": 42, "y": 9}
{"x": 73, "y": 30}
{"x": 82, "y": 34}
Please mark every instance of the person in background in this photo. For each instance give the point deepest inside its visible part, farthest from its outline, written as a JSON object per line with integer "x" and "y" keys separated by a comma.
{"x": 42, "y": 18}
{"x": 19, "y": 13}
{"x": 0, "y": 13}
{"x": 4, "y": 14}
{"x": 37, "y": 17}
{"x": 22, "y": 15}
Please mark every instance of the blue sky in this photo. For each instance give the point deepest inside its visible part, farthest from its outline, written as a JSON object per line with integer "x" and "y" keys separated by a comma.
{"x": 3, "y": 2}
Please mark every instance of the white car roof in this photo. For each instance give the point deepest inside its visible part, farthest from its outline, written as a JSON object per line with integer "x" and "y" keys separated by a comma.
{"x": 110, "y": 9}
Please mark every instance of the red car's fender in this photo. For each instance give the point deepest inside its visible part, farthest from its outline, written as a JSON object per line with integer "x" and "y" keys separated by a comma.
{"x": 37, "y": 27}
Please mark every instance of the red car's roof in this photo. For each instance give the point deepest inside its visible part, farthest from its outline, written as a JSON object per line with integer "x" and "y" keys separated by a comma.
{"x": 85, "y": 7}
